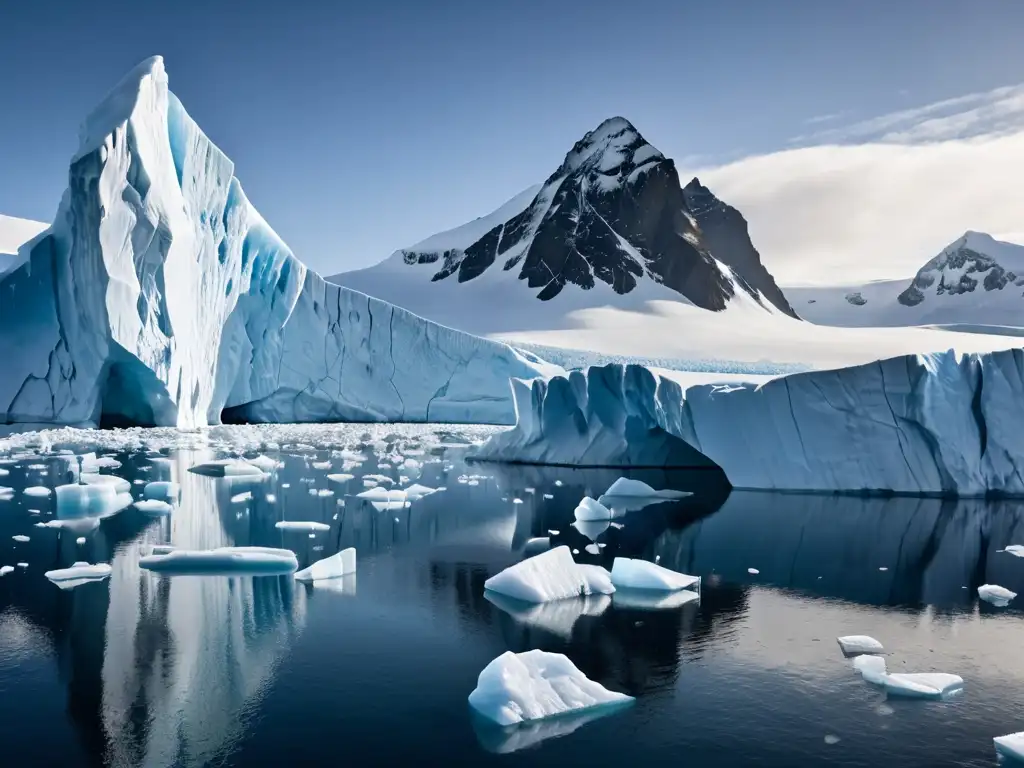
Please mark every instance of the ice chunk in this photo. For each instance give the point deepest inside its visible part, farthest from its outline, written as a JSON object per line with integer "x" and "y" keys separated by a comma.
{"x": 871, "y": 668}
{"x": 592, "y": 529}
{"x": 1017, "y": 550}
{"x": 998, "y": 596}
{"x": 38, "y": 491}
{"x": 1011, "y": 745}
{"x": 154, "y": 507}
{"x": 856, "y": 644}
{"x": 340, "y": 477}
{"x": 379, "y": 479}
{"x": 265, "y": 463}
{"x": 21, "y": 538}
{"x": 626, "y": 487}
{"x": 227, "y": 468}
{"x": 592, "y": 549}
{"x": 119, "y": 484}
{"x": 333, "y": 567}
{"x": 241, "y": 498}
{"x": 254, "y": 561}
{"x": 551, "y": 575}
{"x": 301, "y": 525}
{"x": 80, "y": 540}
{"x": 417, "y": 491}
{"x": 5, "y": 569}
{"x": 534, "y": 685}
{"x": 383, "y": 494}
{"x": 163, "y": 490}
{"x": 924, "y": 685}
{"x": 589, "y": 510}
{"x": 324, "y": 492}
{"x": 640, "y": 574}
{"x": 79, "y": 572}
{"x": 753, "y": 571}
{"x": 599, "y": 581}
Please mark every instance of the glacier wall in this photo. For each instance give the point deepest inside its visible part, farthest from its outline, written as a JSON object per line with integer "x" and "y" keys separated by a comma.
{"x": 939, "y": 424}
{"x": 159, "y": 296}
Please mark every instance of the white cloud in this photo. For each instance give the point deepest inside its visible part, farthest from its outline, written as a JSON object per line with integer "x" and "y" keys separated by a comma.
{"x": 838, "y": 212}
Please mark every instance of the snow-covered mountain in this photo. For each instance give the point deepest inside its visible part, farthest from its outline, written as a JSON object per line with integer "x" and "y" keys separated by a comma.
{"x": 614, "y": 216}
{"x": 160, "y": 296}
{"x": 976, "y": 282}
{"x": 14, "y": 233}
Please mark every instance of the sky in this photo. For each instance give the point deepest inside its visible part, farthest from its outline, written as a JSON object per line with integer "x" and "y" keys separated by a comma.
{"x": 858, "y": 138}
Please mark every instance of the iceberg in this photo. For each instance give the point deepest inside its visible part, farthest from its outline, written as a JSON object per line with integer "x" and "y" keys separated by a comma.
{"x": 628, "y": 573}
{"x": 341, "y": 564}
{"x": 160, "y": 297}
{"x": 852, "y": 645}
{"x": 79, "y": 572}
{"x": 1011, "y": 745}
{"x": 551, "y": 575}
{"x": 231, "y": 561}
{"x": 996, "y": 595}
{"x": 940, "y": 424}
{"x": 522, "y": 687}
{"x": 589, "y": 510}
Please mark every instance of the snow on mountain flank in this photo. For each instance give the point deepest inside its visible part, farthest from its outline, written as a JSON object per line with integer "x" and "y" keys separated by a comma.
{"x": 160, "y": 296}
{"x": 976, "y": 282}
{"x": 613, "y": 214}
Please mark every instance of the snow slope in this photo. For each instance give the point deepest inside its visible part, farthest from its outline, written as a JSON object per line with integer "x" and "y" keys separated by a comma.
{"x": 975, "y": 281}
{"x": 160, "y": 296}
{"x": 13, "y": 234}
{"x": 934, "y": 424}
{"x": 613, "y": 216}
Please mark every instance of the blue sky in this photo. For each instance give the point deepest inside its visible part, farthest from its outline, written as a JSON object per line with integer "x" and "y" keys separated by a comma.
{"x": 357, "y": 128}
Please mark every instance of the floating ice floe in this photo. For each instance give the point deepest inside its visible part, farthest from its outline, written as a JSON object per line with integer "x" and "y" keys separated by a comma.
{"x": 753, "y": 571}
{"x": 38, "y": 491}
{"x": 551, "y": 575}
{"x": 340, "y": 477}
{"x": 79, "y": 573}
{"x": 921, "y": 685}
{"x": 301, "y": 525}
{"x": 1017, "y": 550}
{"x": 163, "y": 490}
{"x": 871, "y": 668}
{"x": 1011, "y": 745}
{"x": 80, "y": 540}
{"x": 321, "y": 465}
{"x": 254, "y": 561}
{"x": 383, "y": 494}
{"x": 592, "y": 549}
{"x": 996, "y": 595}
{"x": 265, "y": 463}
{"x": 227, "y": 468}
{"x": 241, "y": 498}
{"x": 5, "y": 569}
{"x": 590, "y": 510}
{"x": 21, "y": 538}
{"x": 333, "y": 567}
{"x": 628, "y": 573}
{"x": 523, "y": 687}
{"x": 852, "y": 645}
{"x": 417, "y": 491}
{"x": 154, "y": 507}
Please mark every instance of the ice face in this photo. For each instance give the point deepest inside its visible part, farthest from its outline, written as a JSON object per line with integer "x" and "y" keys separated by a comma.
{"x": 517, "y": 688}
{"x": 937, "y": 423}
{"x": 160, "y": 296}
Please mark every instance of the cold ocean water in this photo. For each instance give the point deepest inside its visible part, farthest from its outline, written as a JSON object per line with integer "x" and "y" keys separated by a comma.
{"x": 150, "y": 670}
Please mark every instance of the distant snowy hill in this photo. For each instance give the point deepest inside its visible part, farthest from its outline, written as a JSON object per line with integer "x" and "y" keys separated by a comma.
{"x": 611, "y": 221}
{"x": 976, "y": 282}
{"x": 13, "y": 234}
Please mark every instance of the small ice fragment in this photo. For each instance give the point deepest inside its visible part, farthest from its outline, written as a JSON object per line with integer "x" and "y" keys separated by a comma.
{"x": 383, "y": 494}
{"x": 830, "y": 739}
{"x": 223, "y": 560}
{"x": 640, "y": 574}
{"x": 340, "y": 477}
{"x": 883, "y": 568}
{"x": 593, "y": 549}
{"x": 4, "y": 570}
{"x": 589, "y": 509}
{"x": 312, "y": 535}
{"x": 80, "y": 540}
{"x": 753, "y": 571}
{"x": 154, "y": 507}
{"x": 1017, "y": 550}
{"x": 657, "y": 558}
{"x": 417, "y": 491}
{"x": 21, "y": 538}
{"x": 37, "y": 491}
{"x": 265, "y": 463}
{"x": 4, "y": 472}
{"x": 922, "y": 685}
{"x": 871, "y": 668}
{"x": 286, "y": 485}
{"x": 553, "y": 532}
{"x": 517, "y": 501}
{"x": 335, "y": 566}
{"x": 523, "y": 687}
{"x": 548, "y": 496}
{"x": 575, "y": 551}
{"x": 163, "y": 490}
{"x": 857, "y": 644}
{"x": 996, "y": 595}
{"x": 240, "y": 498}
{"x": 79, "y": 571}
{"x": 321, "y": 465}
{"x": 270, "y": 498}
{"x": 558, "y": 482}
{"x": 301, "y": 525}
{"x": 22, "y": 565}
{"x": 1011, "y": 745}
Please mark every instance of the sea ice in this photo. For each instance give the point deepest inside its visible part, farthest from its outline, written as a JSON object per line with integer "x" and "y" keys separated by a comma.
{"x": 551, "y": 575}
{"x": 1011, "y": 745}
{"x": 301, "y": 525}
{"x": 5, "y": 569}
{"x": 641, "y": 574}
{"x": 852, "y": 645}
{"x": 79, "y": 571}
{"x": 21, "y": 538}
{"x": 1017, "y": 550}
{"x": 383, "y": 494}
{"x": 227, "y": 468}
{"x": 996, "y": 595}
{"x": 534, "y": 685}
{"x": 154, "y": 507}
{"x": 341, "y": 564}
{"x": 924, "y": 685}
{"x": 871, "y": 668}
{"x": 37, "y": 491}
{"x": 265, "y": 463}
{"x": 589, "y": 509}
{"x": 223, "y": 560}
{"x": 340, "y": 477}
{"x": 417, "y": 491}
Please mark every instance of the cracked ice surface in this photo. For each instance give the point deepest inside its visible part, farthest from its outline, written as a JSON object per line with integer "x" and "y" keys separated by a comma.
{"x": 935, "y": 424}
{"x": 160, "y": 296}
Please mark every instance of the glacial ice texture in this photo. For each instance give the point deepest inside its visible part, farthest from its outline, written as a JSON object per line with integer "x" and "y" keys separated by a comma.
{"x": 943, "y": 424}
{"x": 159, "y": 296}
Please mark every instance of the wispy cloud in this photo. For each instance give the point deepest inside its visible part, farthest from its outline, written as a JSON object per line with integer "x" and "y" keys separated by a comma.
{"x": 996, "y": 112}
{"x": 826, "y": 118}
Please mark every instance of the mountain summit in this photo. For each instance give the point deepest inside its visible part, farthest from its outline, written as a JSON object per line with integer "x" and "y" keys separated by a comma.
{"x": 613, "y": 213}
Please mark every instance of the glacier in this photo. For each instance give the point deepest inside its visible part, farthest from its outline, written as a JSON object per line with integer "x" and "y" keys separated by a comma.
{"x": 160, "y": 297}
{"x": 938, "y": 424}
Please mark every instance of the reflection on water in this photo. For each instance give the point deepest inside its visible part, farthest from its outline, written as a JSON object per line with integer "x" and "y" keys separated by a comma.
{"x": 157, "y": 671}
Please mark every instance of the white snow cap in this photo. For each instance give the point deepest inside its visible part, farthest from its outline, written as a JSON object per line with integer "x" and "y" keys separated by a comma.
{"x": 522, "y": 687}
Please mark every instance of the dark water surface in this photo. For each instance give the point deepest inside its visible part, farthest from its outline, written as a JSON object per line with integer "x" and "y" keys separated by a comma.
{"x": 149, "y": 670}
